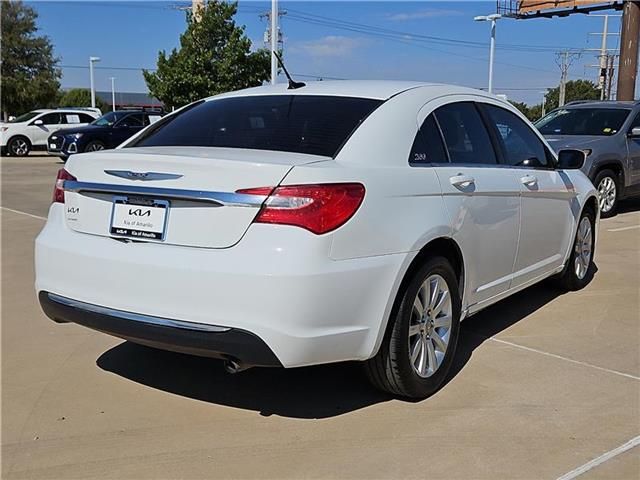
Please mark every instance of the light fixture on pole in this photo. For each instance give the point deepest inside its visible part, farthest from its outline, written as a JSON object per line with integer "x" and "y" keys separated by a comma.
{"x": 113, "y": 93}
{"x": 493, "y": 19}
{"x": 92, "y": 60}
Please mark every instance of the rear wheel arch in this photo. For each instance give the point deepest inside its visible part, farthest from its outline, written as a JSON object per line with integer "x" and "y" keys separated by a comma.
{"x": 16, "y": 137}
{"x": 439, "y": 247}
{"x": 614, "y": 165}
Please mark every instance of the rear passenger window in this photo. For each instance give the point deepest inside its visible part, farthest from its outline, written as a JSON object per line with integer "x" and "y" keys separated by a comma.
{"x": 522, "y": 147}
{"x": 465, "y": 136}
{"x": 428, "y": 147}
{"x": 84, "y": 118}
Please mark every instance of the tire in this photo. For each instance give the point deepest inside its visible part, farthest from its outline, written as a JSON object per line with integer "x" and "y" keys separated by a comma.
{"x": 19, "y": 146}
{"x": 392, "y": 369}
{"x": 94, "y": 146}
{"x": 579, "y": 271}
{"x": 608, "y": 185}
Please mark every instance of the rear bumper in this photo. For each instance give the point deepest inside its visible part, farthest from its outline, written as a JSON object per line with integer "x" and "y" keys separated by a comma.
{"x": 278, "y": 283}
{"x": 244, "y": 348}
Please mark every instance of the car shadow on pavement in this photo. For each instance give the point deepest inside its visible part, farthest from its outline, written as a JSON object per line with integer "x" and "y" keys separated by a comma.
{"x": 629, "y": 205}
{"x": 312, "y": 392}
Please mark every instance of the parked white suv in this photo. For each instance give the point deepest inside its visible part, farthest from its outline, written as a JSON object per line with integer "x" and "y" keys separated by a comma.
{"x": 30, "y": 131}
{"x": 336, "y": 221}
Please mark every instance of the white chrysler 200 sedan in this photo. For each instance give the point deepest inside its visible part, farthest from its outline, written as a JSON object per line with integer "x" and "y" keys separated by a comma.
{"x": 337, "y": 221}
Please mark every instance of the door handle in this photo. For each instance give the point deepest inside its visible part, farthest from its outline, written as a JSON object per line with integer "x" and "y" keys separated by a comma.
{"x": 462, "y": 181}
{"x": 529, "y": 180}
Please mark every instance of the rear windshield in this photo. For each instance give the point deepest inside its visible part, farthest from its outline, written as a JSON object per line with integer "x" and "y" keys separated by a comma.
{"x": 316, "y": 125}
{"x": 583, "y": 121}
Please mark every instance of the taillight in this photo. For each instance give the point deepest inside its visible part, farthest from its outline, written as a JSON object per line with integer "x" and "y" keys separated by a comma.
{"x": 58, "y": 190}
{"x": 317, "y": 208}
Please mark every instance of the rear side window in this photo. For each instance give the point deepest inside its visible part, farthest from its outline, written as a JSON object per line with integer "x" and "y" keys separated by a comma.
{"x": 312, "y": 124}
{"x": 521, "y": 146}
{"x": 428, "y": 146}
{"x": 84, "y": 118}
{"x": 133, "y": 120}
{"x": 465, "y": 135}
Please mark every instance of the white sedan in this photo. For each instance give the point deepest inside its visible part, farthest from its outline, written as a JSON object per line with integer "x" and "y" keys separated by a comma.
{"x": 337, "y": 221}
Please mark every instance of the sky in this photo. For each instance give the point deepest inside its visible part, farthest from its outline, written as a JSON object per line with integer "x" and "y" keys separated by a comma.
{"x": 419, "y": 40}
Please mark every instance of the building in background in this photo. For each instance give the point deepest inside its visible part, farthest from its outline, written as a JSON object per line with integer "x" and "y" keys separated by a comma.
{"x": 131, "y": 99}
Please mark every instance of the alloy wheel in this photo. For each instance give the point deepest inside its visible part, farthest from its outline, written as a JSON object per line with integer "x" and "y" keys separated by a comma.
{"x": 430, "y": 326}
{"x": 583, "y": 248}
{"x": 19, "y": 147}
{"x": 94, "y": 147}
{"x": 607, "y": 193}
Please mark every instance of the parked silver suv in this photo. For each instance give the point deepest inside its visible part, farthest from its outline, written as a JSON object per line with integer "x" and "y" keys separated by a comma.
{"x": 610, "y": 133}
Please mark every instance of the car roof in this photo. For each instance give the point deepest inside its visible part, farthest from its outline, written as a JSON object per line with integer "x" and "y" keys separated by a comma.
{"x": 64, "y": 109}
{"x": 600, "y": 104}
{"x": 373, "y": 89}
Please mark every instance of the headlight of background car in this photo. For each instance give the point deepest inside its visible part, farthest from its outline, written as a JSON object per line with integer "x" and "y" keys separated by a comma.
{"x": 75, "y": 136}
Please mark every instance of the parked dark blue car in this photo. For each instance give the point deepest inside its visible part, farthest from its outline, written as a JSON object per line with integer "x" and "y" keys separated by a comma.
{"x": 108, "y": 131}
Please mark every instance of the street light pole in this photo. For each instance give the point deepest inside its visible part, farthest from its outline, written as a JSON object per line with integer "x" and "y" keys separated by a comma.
{"x": 113, "y": 93}
{"x": 494, "y": 20}
{"x": 92, "y": 60}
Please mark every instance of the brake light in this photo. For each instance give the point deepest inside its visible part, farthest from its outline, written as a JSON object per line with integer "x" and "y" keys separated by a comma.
{"x": 317, "y": 208}
{"x": 58, "y": 189}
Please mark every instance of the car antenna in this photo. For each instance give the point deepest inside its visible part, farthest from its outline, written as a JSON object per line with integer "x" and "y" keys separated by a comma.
{"x": 292, "y": 84}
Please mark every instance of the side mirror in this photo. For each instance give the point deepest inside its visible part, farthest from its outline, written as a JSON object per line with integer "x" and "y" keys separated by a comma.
{"x": 38, "y": 122}
{"x": 571, "y": 159}
{"x": 634, "y": 133}
{"x": 12, "y": 118}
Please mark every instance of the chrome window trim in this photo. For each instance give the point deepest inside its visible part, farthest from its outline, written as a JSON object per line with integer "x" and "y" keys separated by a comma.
{"x": 230, "y": 199}
{"x": 136, "y": 317}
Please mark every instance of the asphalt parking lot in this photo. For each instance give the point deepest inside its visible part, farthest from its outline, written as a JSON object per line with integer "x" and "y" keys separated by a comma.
{"x": 544, "y": 384}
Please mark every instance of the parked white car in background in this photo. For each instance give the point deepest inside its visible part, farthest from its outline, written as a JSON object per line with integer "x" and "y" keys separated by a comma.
{"x": 30, "y": 131}
{"x": 337, "y": 221}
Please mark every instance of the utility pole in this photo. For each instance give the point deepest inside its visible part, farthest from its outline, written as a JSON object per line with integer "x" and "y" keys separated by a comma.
{"x": 544, "y": 104}
{"x": 196, "y": 5}
{"x": 564, "y": 59}
{"x": 603, "y": 54}
{"x": 113, "y": 93}
{"x": 610, "y": 69}
{"x": 628, "y": 67}
{"x": 274, "y": 41}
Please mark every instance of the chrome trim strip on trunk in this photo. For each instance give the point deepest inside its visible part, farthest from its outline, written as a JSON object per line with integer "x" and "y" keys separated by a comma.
{"x": 136, "y": 317}
{"x": 220, "y": 199}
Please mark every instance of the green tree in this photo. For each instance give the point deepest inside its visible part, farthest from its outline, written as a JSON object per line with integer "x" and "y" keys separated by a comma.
{"x": 30, "y": 77}
{"x": 214, "y": 56}
{"x": 576, "y": 90}
{"x": 81, "y": 97}
{"x": 533, "y": 112}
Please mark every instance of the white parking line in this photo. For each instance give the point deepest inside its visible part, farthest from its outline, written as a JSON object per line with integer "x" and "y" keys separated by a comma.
{"x": 23, "y": 213}
{"x": 560, "y": 357}
{"x": 622, "y": 229}
{"x": 634, "y": 442}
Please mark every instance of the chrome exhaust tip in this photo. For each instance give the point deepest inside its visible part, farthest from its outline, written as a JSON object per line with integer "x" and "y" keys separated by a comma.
{"x": 231, "y": 366}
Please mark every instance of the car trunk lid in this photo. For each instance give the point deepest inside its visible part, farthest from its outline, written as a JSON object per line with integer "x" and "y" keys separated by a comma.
{"x": 179, "y": 196}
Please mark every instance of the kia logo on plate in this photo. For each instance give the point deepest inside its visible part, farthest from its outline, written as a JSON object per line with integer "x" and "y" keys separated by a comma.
{"x": 138, "y": 212}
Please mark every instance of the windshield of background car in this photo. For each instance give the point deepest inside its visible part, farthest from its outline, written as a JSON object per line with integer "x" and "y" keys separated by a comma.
{"x": 25, "y": 117}
{"x": 311, "y": 124}
{"x": 109, "y": 119}
{"x": 583, "y": 121}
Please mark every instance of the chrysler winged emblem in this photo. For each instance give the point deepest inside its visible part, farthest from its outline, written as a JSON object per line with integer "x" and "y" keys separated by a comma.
{"x": 129, "y": 175}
